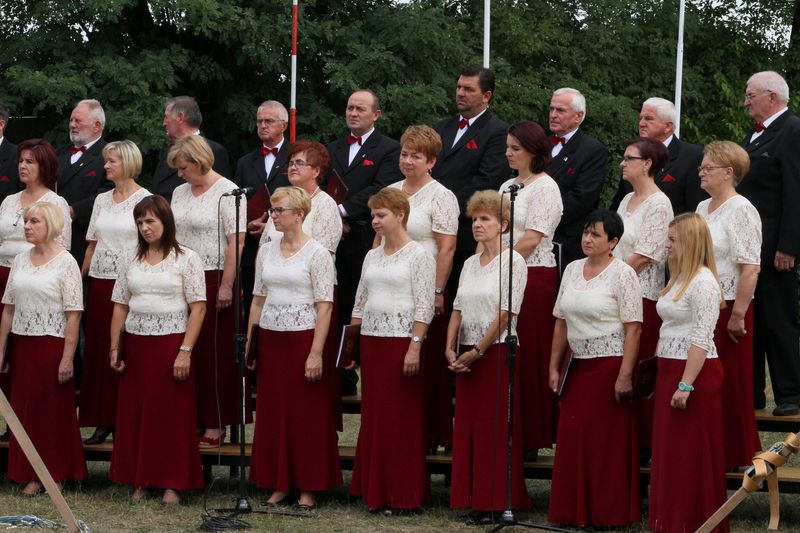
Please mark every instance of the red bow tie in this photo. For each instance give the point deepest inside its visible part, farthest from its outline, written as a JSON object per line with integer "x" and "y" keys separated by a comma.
{"x": 352, "y": 139}
{"x": 463, "y": 123}
{"x": 266, "y": 151}
{"x": 759, "y": 127}
{"x": 75, "y": 149}
{"x": 555, "y": 139}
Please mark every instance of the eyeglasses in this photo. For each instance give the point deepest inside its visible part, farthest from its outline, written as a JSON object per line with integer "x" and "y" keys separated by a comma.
{"x": 279, "y": 210}
{"x": 299, "y": 163}
{"x": 268, "y": 122}
{"x": 705, "y": 168}
{"x": 748, "y": 97}
{"x": 629, "y": 158}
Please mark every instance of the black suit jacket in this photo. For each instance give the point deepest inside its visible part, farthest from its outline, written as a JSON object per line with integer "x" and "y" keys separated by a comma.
{"x": 773, "y": 185}
{"x": 376, "y": 165}
{"x": 166, "y": 179}
{"x": 678, "y": 179}
{"x": 580, "y": 171}
{"x": 9, "y": 174}
{"x": 79, "y": 185}
{"x": 477, "y": 162}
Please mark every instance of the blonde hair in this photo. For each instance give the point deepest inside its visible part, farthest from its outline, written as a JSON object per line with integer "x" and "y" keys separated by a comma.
{"x": 729, "y": 154}
{"x": 130, "y": 155}
{"x": 297, "y": 197}
{"x": 50, "y": 213}
{"x": 490, "y": 202}
{"x": 194, "y": 149}
{"x": 697, "y": 251}
{"x": 393, "y": 200}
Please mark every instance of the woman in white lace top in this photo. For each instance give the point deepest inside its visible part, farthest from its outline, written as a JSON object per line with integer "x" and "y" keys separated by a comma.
{"x": 294, "y": 444}
{"x": 112, "y": 238}
{"x": 735, "y": 227}
{"x": 393, "y": 305}
{"x": 688, "y": 479}
{"x": 476, "y": 353}
{"x": 599, "y": 317}
{"x": 206, "y": 223}
{"x": 433, "y": 222}
{"x": 43, "y": 303}
{"x": 159, "y": 298}
{"x": 537, "y": 212}
{"x": 646, "y": 213}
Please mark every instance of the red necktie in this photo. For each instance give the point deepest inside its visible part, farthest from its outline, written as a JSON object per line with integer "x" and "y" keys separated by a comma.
{"x": 266, "y": 151}
{"x": 353, "y": 139}
{"x": 75, "y": 149}
{"x": 555, "y": 139}
{"x": 759, "y": 127}
{"x": 463, "y": 123}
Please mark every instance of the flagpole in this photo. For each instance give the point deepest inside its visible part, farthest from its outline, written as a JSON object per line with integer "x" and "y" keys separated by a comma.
{"x": 293, "y": 97}
{"x": 679, "y": 70}
{"x": 487, "y": 22}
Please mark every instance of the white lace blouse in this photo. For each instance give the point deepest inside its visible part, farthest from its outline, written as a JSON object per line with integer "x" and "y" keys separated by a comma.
{"x": 42, "y": 294}
{"x": 691, "y": 320}
{"x": 158, "y": 296}
{"x": 395, "y": 291}
{"x": 597, "y": 309}
{"x": 196, "y": 221}
{"x": 12, "y": 226}
{"x": 292, "y": 285}
{"x": 538, "y": 208}
{"x": 434, "y": 208}
{"x": 646, "y": 234}
{"x": 323, "y": 223}
{"x": 113, "y": 227}
{"x": 736, "y": 232}
{"x": 479, "y": 296}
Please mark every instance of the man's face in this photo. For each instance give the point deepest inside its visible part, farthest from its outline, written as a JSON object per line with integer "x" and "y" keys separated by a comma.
{"x": 652, "y": 126}
{"x": 81, "y": 127}
{"x": 269, "y": 125}
{"x": 360, "y": 113}
{"x": 760, "y": 103}
{"x": 172, "y": 125}
{"x": 563, "y": 119}
{"x": 470, "y": 100}
{"x": 2, "y": 126}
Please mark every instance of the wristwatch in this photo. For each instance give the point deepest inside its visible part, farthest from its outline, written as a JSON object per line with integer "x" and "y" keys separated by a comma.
{"x": 438, "y": 290}
{"x": 186, "y": 348}
{"x": 416, "y": 339}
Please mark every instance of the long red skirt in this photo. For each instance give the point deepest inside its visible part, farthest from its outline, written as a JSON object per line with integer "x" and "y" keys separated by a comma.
{"x": 100, "y": 383}
{"x": 294, "y": 444}
{"x": 687, "y": 484}
{"x": 651, "y": 327}
{"x": 390, "y": 467}
{"x": 535, "y": 330}
{"x": 217, "y": 374}
{"x": 329, "y": 355}
{"x": 156, "y": 440}
{"x": 738, "y": 418}
{"x": 5, "y": 379}
{"x": 596, "y": 472}
{"x": 46, "y": 410}
{"x": 438, "y": 385}
{"x": 480, "y": 437}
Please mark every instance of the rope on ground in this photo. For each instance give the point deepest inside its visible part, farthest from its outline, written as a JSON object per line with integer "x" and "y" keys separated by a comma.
{"x": 28, "y": 521}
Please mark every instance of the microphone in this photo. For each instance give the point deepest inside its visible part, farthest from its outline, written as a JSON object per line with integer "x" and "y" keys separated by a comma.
{"x": 239, "y": 192}
{"x": 514, "y": 187}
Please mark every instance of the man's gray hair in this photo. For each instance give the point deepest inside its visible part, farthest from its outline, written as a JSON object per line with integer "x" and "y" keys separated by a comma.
{"x": 664, "y": 108}
{"x": 578, "y": 100}
{"x": 771, "y": 81}
{"x": 188, "y": 106}
{"x": 96, "y": 113}
{"x": 282, "y": 113}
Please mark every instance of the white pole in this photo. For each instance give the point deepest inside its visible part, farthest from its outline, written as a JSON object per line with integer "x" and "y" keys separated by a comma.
{"x": 679, "y": 71}
{"x": 487, "y": 22}
{"x": 293, "y": 90}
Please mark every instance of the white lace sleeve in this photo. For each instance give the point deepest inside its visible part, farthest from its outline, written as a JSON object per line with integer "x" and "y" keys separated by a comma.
{"x": 259, "y": 287}
{"x": 745, "y": 235}
{"x": 423, "y": 272}
{"x": 653, "y": 233}
{"x": 704, "y": 299}
{"x": 361, "y": 292}
{"x": 121, "y": 293}
{"x": 65, "y": 239}
{"x": 628, "y": 293}
{"x": 8, "y": 295}
{"x": 520, "y": 272}
{"x": 194, "y": 279}
{"x": 457, "y": 306}
{"x": 91, "y": 231}
{"x": 228, "y": 215}
{"x": 328, "y": 227}
{"x": 566, "y": 279}
{"x": 445, "y": 212}
{"x": 322, "y": 275}
{"x": 72, "y": 286}
{"x": 544, "y": 211}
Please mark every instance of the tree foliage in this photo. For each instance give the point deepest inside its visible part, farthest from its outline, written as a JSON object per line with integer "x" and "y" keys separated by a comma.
{"x": 232, "y": 54}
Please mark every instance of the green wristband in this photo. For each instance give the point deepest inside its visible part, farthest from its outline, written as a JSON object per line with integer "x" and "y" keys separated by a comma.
{"x": 684, "y": 387}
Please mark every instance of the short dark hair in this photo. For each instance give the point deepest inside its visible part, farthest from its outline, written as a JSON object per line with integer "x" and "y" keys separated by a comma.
{"x": 3, "y": 112}
{"x": 316, "y": 155}
{"x": 611, "y": 221}
{"x": 534, "y": 140}
{"x": 485, "y": 76}
{"x": 650, "y": 149}
{"x": 189, "y": 107}
{"x": 160, "y": 208}
{"x": 45, "y": 156}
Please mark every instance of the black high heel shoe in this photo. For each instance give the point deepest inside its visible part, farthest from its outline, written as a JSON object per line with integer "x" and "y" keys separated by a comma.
{"x": 100, "y": 435}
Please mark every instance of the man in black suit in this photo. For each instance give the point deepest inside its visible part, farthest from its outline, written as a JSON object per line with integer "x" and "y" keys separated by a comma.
{"x": 9, "y": 176}
{"x": 182, "y": 117}
{"x": 264, "y": 170}
{"x": 679, "y": 178}
{"x": 773, "y": 187}
{"x": 579, "y": 165}
{"x": 81, "y": 172}
{"x": 473, "y": 154}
